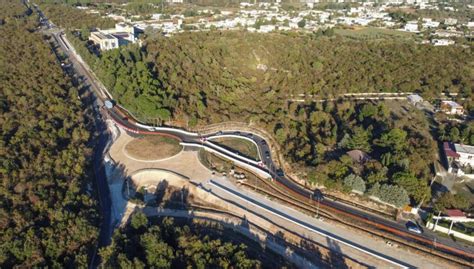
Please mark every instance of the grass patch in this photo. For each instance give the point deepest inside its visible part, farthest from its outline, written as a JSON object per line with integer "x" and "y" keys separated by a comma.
{"x": 213, "y": 162}
{"x": 153, "y": 147}
{"x": 243, "y": 146}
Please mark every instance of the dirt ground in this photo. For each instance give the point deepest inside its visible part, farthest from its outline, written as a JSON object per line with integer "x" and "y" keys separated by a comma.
{"x": 153, "y": 147}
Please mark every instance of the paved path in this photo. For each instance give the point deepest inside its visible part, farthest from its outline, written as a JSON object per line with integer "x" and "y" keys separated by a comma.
{"x": 354, "y": 236}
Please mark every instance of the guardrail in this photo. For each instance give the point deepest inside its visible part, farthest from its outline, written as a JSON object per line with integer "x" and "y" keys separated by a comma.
{"x": 306, "y": 226}
{"x": 274, "y": 146}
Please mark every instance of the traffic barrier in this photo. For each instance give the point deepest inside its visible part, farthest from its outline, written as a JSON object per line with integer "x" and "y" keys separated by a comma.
{"x": 248, "y": 166}
{"x": 306, "y": 226}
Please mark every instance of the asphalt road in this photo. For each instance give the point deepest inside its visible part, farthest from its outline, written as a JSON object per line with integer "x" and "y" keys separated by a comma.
{"x": 269, "y": 165}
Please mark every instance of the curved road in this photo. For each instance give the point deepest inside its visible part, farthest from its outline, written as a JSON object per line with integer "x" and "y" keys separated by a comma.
{"x": 266, "y": 167}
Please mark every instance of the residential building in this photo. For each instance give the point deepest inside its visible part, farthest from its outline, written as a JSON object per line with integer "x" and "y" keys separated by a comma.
{"x": 442, "y": 42}
{"x": 451, "y": 108}
{"x": 414, "y": 99}
{"x": 460, "y": 159}
{"x": 411, "y": 26}
{"x": 450, "y": 21}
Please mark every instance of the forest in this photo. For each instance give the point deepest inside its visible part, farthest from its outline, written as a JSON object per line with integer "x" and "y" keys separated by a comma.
{"x": 48, "y": 212}
{"x": 168, "y": 243}
{"x": 248, "y": 76}
{"x": 193, "y": 79}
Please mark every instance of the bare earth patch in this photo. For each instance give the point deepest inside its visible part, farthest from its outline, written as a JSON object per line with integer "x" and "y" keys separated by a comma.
{"x": 154, "y": 147}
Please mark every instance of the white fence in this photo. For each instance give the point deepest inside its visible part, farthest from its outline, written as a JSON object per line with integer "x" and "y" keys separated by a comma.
{"x": 456, "y": 234}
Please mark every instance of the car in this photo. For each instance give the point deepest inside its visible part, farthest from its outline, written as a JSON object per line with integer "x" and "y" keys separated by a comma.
{"x": 263, "y": 142}
{"x": 267, "y": 154}
{"x": 280, "y": 173}
{"x": 413, "y": 227}
{"x": 219, "y": 133}
{"x": 237, "y": 133}
{"x": 250, "y": 135}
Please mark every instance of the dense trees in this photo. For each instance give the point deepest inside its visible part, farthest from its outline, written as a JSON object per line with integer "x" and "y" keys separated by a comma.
{"x": 207, "y": 77}
{"x": 170, "y": 245}
{"x": 392, "y": 145}
{"x": 47, "y": 215}
{"x": 73, "y": 18}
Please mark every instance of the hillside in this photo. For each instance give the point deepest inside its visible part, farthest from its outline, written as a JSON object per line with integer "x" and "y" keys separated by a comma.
{"x": 48, "y": 214}
{"x": 218, "y": 76}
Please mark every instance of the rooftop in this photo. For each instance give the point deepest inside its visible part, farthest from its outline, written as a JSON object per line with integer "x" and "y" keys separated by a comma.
{"x": 451, "y": 103}
{"x": 454, "y": 213}
{"x": 102, "y": 35}
{"x": 450, "y": 150}
{"x": 464, "y": 148}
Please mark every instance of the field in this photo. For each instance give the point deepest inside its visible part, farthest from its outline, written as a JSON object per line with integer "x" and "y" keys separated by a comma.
{"x": 244, "y": 147}
{"x": 153, "y": 147}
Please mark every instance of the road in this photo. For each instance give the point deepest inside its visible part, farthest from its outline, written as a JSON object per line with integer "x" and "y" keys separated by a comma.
{"x": 267, "y": 166}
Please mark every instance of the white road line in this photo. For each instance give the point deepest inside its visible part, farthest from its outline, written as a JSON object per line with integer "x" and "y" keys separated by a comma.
{"x": 309, "y": 228}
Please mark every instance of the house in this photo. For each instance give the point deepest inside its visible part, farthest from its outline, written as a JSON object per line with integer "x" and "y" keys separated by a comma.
{"x": 414, "y": 99}
{"x": 442, "y": 42}
{"x": 411, "y": 27}
{"x": 451, "y": 108}
{"x": 460, "y": 159}
{"x": 450, "y": 21}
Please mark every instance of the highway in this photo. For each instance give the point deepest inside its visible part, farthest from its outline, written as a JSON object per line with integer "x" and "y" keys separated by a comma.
{"x": 266, "y": 167}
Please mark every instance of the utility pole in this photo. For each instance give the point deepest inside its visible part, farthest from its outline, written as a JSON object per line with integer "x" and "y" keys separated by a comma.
{"x": 317, "y": 210}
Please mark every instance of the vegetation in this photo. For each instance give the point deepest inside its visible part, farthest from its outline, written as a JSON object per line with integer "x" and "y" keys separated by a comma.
{"x": 169, "y": 245}
{"x": 47, "y": 215}
{"x": 242, "y": 146}
{"x": 73, "y": 18}
{"x": 451, "y": 201}
{"x": 215, "y": 162}
{"x": 153, "y": 147}
{"x": 206, "y": 77}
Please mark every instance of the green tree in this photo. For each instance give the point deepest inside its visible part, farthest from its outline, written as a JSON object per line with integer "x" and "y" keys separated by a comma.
{"x": 139, "y": 220}
{"x": 360, "y": 140}
{"x": 394, "y": 195}
{"x": 302, "y": 23}
{"x": 417, "y": 189}
{"x": 394, "y": 139}
{"x": 354, "y": 182}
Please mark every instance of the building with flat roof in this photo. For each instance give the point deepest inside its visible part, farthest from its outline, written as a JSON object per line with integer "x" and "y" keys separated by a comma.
{"x": 122, "y": 34}
{"x": 104, "y": 41}
{"x": 460, "y": 159}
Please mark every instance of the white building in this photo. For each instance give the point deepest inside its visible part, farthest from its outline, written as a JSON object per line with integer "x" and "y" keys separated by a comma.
{"x": 414, "y": 99}
{"x": 411, "y": 27}
{"x": 122, "y": 34}
{"x": 429, "y": 23}
{"x": 442, "y": 42}
{"x": 450, "y": 21}
{"x": 460, "y": 159}
{"x": 451, "y": 108}
{"x": 104, "y": 41}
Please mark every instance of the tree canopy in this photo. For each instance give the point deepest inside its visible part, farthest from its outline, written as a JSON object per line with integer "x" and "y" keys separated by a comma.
{"x": 167, "y": 244}
{"x": 48, "y": 217}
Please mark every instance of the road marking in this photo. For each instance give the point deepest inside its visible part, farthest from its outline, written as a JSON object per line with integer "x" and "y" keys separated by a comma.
{"x": 223, "y": 188}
